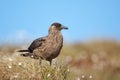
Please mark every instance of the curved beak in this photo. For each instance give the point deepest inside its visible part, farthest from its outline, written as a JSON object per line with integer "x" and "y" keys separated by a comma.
{"x": 64, "y": 27}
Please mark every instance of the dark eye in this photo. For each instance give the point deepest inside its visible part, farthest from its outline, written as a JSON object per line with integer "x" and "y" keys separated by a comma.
{"x": 58, "y": 26}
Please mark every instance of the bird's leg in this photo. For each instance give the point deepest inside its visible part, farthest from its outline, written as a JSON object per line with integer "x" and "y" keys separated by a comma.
{"x": 40, "y": 61}
{"x": 50, "y": 62}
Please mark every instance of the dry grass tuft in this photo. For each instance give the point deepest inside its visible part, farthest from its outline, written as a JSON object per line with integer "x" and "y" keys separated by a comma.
{"x": 12, "y": 68}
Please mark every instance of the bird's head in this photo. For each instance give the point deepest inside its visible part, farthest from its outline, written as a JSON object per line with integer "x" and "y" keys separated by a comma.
{"x": 57, "y": 26}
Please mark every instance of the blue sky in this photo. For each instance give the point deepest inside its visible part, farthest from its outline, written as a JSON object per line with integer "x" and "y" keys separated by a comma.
{"x": 22, "y": 20}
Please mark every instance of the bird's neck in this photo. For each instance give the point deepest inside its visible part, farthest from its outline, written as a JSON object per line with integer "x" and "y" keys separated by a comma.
{"x": 56, "y": 35}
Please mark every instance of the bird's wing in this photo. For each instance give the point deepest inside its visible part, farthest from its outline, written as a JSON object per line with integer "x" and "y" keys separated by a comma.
{"x": 36, "y": 43}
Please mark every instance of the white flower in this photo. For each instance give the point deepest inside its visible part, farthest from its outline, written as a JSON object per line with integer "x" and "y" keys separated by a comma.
{"x": 9, "y": 66}
{"x": 19, "y": 63}
{"x": 33, "y": 75}
{"x": 10, "y": 59}
{"x": 90, "y": 76}
{"x": 48, "y": 75}
{"x": 32, "y": 56}
{"x": 68, "y": 70}
{"x": 78, "y": 78}
{"x": 16, "y": 76}
{"x": 83, "y": 76}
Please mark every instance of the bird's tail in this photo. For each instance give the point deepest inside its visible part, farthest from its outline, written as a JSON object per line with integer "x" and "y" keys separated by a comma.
{"x": 23, "y": 51}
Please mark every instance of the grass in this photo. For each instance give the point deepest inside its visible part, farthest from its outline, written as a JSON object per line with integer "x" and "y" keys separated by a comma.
{"x": 96, "y": 60}
{"x": 25, "y": 68}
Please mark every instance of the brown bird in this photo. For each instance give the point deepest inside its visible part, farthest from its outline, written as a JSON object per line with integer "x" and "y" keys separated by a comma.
{"x": 49, "y": 47}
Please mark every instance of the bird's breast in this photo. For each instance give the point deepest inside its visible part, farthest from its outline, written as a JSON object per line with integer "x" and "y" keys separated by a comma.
{"x": 53, "y": 46}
